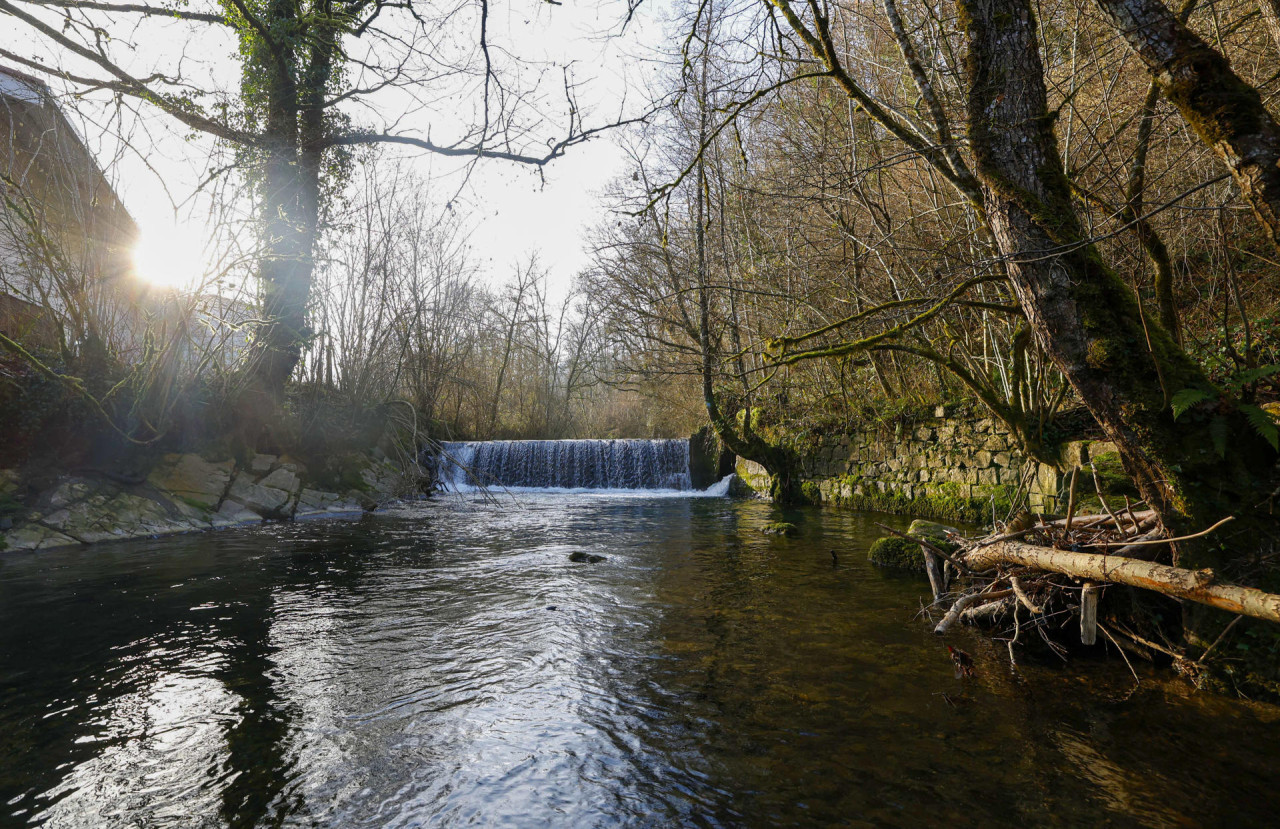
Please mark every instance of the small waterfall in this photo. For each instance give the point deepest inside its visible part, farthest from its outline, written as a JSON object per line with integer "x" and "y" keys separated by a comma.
{"x": 566, "y": 464}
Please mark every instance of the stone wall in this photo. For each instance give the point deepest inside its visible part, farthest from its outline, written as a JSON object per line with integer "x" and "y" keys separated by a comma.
{"x": 943, "y": 467}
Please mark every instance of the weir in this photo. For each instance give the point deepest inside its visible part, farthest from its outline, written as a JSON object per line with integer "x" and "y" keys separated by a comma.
{"x": 566, "y": 464}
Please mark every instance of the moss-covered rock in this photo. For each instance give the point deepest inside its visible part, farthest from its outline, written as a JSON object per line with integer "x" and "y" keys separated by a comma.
{"x": 779, "y": 528}
{"x": 943, "y": 537}
{"x": 897, "y": 553}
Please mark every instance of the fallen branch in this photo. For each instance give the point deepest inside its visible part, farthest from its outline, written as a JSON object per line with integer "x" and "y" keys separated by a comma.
{"x": 963, "y": 603}
{"x": 1035, "y": 609}
{"x": 1193, "y": 585}
{"x": 1169, "y": 540}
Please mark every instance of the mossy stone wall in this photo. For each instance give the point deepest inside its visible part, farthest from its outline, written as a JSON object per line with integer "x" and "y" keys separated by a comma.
{"x": 956, "y": 468}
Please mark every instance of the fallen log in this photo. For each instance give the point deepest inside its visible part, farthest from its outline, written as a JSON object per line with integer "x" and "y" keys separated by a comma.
{"x": 1193, "y": 585}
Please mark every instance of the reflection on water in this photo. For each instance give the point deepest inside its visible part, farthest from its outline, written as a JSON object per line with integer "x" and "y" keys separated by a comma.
{"x": 448, "y": 664}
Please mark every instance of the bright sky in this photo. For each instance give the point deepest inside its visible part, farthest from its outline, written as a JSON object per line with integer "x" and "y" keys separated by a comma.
{"x": 513, "y": 211}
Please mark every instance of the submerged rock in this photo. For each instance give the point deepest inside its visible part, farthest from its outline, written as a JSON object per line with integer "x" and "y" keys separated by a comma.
{"x": 585, "y": 558}
{"x": 779, "y": 528}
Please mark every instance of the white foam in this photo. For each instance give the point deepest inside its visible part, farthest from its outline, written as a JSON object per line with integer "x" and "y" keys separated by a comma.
{"x": 720, "y": 489}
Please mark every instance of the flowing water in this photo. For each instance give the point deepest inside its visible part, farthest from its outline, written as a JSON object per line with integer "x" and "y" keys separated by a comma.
{"x": 566, "y": 464}
{"x": 446, "y": 663}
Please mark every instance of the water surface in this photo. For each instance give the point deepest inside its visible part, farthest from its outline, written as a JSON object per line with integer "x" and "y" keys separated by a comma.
{"x": 447, "y": 664}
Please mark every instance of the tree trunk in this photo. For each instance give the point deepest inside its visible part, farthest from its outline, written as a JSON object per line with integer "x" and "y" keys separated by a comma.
{"x": 290, "y": 200}
{"x": 1227, "y": 113}
{"x": 1120, "y": 361}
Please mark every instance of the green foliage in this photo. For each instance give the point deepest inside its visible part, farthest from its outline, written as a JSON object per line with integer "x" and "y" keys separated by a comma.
{"x": 1262, "y": 423}
{"x": 1185, "y": 399}
{"x": 1236, "y": 389}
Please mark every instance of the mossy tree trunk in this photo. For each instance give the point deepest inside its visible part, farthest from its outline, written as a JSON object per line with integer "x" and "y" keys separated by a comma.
{"x": 289, "y": 74}
{"x": 1123, "y": 364}
{"x": 1225, "y": 111}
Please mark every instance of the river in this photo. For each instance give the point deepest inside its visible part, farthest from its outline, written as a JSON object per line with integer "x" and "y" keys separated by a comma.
{"x": 446, "y": 663}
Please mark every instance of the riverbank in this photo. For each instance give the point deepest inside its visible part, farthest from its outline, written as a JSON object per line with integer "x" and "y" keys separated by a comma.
{"x": 186, "y": 493}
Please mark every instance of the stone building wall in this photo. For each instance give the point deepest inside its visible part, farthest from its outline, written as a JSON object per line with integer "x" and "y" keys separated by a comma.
{"x": 957, "y": 468}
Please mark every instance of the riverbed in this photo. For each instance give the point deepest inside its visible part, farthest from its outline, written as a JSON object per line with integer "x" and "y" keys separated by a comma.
{"x": 446, "y": 663}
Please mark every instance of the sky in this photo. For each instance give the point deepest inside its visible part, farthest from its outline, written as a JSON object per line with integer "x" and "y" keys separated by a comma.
{"x": 512, "y": 210}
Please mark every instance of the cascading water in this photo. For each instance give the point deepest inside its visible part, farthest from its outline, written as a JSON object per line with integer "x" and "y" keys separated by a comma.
{"x": 566, "y": 464}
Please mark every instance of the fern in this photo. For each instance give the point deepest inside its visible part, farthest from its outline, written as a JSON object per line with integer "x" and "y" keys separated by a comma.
{"x": 1187, "y": 398}
{"x": 1262, "y": 424}
{"x": 1253, "y": 375}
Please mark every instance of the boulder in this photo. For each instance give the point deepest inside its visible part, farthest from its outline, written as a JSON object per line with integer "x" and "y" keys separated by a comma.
{"x": 35, "y": 537}
{"x": 233, "y": 514}
{"x": 192, "y": 478}
{"x": 939, "y": 535}
{"x": 282, "y": 478}
{"x": 585, "y": 558}
{"x": 267, "y": 502}
{"x": 107, "y": 513}
{"x": 314, "y": 503}
{"x": 896, "y": 553}
{"x": 262, "y": 464}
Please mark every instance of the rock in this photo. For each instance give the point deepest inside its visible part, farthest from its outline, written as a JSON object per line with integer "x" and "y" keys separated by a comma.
{"x": 36, "y": 537}
{"x": 9, "y": 481}
{"x": 382, "y": 478}
{"x": 585, "y": 558}
{"x": 739, "y": 488}
{"x": 282, "y": 478}
{"x": 108, "y": 513}
{"x": 268, "y": 502}
{"x": 896, "y": 553}
{"x": 779, "y": 528}
{"x": 192, "y": 478}
{"x": 317, "y": 504}
{"x": 233, "y": 514}
{"x": 940, "y": 535}
{"x": 262, "y": 463}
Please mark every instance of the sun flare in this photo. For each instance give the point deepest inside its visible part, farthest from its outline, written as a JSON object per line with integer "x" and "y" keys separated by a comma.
{"x": 170, "y": 257}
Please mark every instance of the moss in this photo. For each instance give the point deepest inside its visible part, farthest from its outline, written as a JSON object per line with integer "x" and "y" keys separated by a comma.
{"x": 946, "y": 502}
{"x": 191, "y": 502}
{"x": 779, "y": 528}
{"x": 896, "y": 553}
{"x": 936, "y": 534}
{"x": 811, "y": 492}
{"x": 1111, "y": 475}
